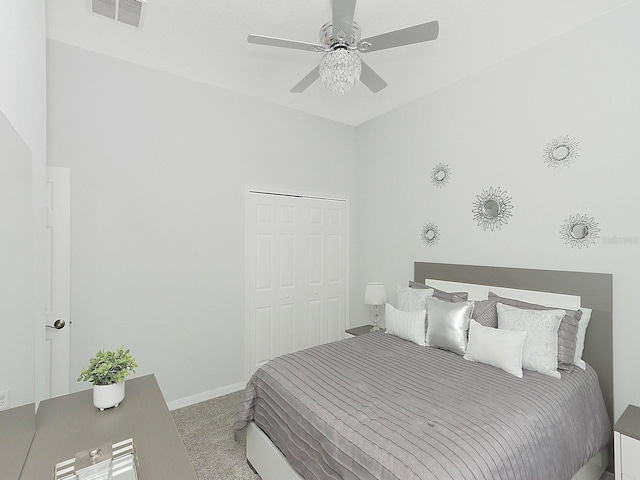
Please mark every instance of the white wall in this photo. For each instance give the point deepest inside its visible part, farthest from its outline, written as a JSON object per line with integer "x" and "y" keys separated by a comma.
{"x": 16, "y": 266}
{"x": 159, "y": 167}
{"x": 22, "y": 104}
{"x": 22, "y": 57}
{"x": 491, "y": 129}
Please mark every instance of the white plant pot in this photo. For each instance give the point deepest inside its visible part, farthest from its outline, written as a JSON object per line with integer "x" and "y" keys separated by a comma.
{"x": 107, "y": 396}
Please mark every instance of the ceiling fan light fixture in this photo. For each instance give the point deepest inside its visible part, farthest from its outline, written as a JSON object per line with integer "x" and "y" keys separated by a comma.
{"x": 340, "y": 70}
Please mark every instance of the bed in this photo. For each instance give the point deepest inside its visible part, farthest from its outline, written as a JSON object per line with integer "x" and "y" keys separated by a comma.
{"x": 379, "y": 407}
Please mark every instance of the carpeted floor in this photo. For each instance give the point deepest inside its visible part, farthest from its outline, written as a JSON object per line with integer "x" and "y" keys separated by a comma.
{"x": 206, "y": 432}
{"x": 207, "y": 435}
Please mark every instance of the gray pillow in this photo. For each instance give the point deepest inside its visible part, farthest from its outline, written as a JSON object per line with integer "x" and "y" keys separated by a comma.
{"x": 567, "y": 333}
{"x": 448, "y": 324}
{"x": 441, "y": 294}
{"x": 484, "y": 312}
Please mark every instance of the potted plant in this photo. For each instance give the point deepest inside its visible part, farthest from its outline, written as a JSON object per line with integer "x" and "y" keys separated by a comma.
{"x": 107, "y": 372}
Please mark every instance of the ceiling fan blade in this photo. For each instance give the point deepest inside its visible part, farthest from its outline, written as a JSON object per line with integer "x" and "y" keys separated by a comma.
{"x": 342, "y": 12}
{"x": 306, "y": 82}
{"x": 281, "y": 42}
{"x": 371, "y": 79}
{"x": 406, "y": 36}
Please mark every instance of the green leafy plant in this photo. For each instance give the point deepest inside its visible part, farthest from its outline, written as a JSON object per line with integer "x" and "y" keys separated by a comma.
{"x": 108, "y": 367}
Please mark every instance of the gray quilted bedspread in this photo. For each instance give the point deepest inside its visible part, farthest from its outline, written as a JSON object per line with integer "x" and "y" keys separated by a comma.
{"x": 378, "y": 407}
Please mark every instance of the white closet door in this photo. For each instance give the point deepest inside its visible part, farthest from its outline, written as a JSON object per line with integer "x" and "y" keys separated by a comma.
{"x": 295, "y": 274}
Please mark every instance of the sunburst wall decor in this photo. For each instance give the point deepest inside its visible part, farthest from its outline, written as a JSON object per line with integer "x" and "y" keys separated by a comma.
{"x": 430, "y": 234}
{"x": 440, "y": 175}
{"x": 579, "y": 231}
{"x": 561, "y": 152}
{"x": 492, "y": 208}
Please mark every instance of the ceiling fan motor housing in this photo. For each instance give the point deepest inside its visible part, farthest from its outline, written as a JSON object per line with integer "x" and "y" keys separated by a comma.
{"x": 339, "y": 39}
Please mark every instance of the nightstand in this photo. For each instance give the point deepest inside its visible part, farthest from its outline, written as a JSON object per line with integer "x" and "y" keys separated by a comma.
{"x": 363, "y": 330}
{"x": 626, "y": 437}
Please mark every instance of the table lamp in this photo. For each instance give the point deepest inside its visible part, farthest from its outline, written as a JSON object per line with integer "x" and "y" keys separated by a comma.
{"x": 376, "y": 296}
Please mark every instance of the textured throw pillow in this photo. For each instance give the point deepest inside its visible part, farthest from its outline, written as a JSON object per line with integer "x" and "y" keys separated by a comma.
{"x": 498, "y": 348}
{"x": 441, "y": 294}
{"x": 406, "y": 325}
{"x": 540, "y": 351}
{"x": 582, "y": 333}
{"x": 448, "y": 324}
{"x": 484, "y": 312}
{"x": 411, "y": 299}
{"x": 567, "y": 333}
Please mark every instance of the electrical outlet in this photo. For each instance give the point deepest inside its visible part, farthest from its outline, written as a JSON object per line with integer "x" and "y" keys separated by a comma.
{"x": 4, "y": 399}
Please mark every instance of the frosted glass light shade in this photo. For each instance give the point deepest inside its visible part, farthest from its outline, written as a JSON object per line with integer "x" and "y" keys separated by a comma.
{"x": 375, "y": 294}
{"x": 340, "y": 70}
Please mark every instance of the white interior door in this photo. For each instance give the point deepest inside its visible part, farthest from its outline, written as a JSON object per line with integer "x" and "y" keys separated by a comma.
{"x": 296, "y": 274}
{"x": 58, "y": 298}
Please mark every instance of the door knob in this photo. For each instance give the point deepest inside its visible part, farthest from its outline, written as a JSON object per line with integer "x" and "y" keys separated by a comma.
{"x": 58, "y": 324}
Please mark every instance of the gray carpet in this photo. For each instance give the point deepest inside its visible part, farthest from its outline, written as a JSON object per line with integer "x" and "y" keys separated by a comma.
{"x": 206, "y": 432}
{"x": 207, "y": 435}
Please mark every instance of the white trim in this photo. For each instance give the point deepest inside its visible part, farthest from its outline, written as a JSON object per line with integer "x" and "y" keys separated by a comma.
{"x": 617, "y": 454}
{"x": 208, "y": 395}
{"x": 247, "y": 287}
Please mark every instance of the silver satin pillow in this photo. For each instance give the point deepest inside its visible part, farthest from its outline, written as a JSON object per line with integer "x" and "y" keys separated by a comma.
{"x": 448, "y": 324}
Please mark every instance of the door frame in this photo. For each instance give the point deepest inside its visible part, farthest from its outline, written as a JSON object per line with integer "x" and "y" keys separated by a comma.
{"x": 60, "y": 268}
{"x": 289, "y": 193}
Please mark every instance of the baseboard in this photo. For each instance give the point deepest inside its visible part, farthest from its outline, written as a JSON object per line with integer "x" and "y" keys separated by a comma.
{"x": 208, "y": 395}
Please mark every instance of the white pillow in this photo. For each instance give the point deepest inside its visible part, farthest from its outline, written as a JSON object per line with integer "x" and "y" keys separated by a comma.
{"x": 413, "y": 299}
{"x": 498, "y": 348}
{"x": 582, "y": 333}
{"x": 407, "y": 325}
{"x": 540, "y": 352}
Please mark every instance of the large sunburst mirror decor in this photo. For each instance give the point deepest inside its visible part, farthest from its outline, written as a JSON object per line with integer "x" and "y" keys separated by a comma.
{"x": 430, "y": 234}
{"x": 561, "y": 152}
{"x": 492, "y": 209}
{"x": 440, "y": 175}
{"x": 579, "y": 231}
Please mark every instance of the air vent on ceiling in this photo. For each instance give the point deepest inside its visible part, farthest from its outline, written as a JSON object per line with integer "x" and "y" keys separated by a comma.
{"x": 128, "y": 12}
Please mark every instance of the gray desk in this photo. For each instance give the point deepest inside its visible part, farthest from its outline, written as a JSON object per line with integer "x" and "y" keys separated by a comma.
{"x": 17, "y": 426}
{"x": 69, "y": 424}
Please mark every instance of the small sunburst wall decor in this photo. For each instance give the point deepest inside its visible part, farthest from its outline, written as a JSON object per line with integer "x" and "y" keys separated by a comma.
{"x": 440, "y": 175}
{"x": 561, "y": 152}
{"x": 492, "y": 208}
{"x": 579, "y": 231}
{"x": 430, "y": 234}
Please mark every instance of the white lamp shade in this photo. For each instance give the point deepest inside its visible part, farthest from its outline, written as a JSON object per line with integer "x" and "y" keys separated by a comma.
{"x": 375, "y": 294}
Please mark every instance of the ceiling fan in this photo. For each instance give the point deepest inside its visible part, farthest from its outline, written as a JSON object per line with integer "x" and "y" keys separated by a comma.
{"x": 341, "y": 67}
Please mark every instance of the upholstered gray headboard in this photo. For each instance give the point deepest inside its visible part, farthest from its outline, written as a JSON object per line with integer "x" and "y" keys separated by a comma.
{"x": 595, "y": 290}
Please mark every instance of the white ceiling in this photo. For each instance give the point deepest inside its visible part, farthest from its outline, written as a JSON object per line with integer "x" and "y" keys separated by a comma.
{"x": 205, "y": 40}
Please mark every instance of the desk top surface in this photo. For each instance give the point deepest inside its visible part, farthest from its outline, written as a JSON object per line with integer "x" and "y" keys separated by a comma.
{"x": 361, "y": 330}
{"x": 69, "y": 424}
{"x": 18, "y": 425}
{"x": 629, "y": 423}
